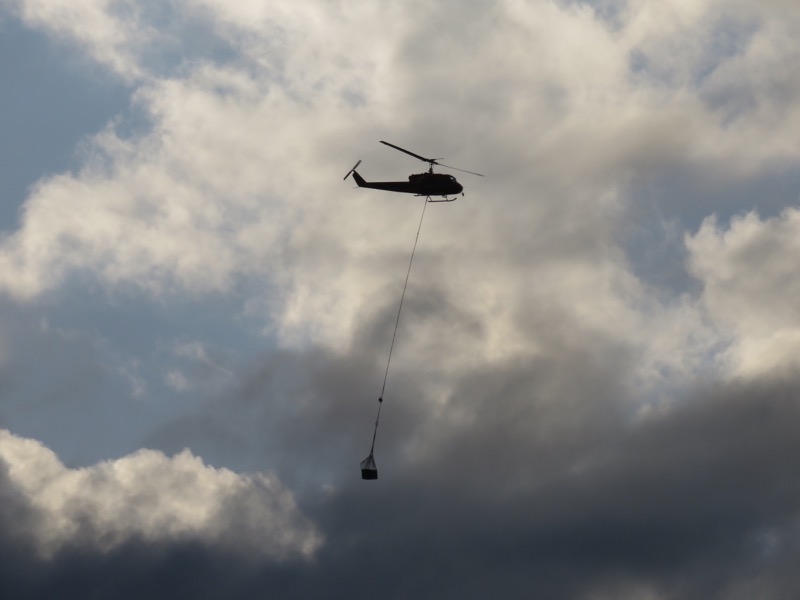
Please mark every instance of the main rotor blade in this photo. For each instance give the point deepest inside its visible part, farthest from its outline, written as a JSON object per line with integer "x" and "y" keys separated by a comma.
{"x": 457, "y": 169}
{"x": 427, "y": 160}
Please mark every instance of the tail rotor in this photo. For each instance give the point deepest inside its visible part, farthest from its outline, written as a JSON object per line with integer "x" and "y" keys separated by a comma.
{"x": 351, "y": 170}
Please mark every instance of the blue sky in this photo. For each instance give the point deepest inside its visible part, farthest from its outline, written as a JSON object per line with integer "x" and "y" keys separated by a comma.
{"x": 53, "y": 104}
{"x": 596, "y": 367}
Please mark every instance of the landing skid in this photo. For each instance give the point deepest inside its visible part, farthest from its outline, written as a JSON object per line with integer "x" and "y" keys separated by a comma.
{"x": 444, "y": 198}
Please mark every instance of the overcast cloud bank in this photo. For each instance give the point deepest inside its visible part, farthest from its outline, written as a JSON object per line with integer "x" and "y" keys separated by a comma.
{"x": 593, "y": 394}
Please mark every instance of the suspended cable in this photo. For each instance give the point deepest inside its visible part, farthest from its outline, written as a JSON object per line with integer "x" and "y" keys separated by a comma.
{"x": 402, "y": 297}
{"x": 368, "y": 468}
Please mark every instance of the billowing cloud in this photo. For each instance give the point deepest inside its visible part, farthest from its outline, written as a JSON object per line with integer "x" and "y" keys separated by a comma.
{"x": 107, "y": 36}
{"x": 233, "y": 178}
{"x": 154, "y": 499}
{"x": 749, "y": 273}
{"x": 557, "y": 403}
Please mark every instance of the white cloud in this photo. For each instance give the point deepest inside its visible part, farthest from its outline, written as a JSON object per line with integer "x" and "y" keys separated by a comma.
{"x": 240, "y": 174}
{"x": 751, "y": 283}
{"x": 149, "y": 496}
{"x": 207, "y": 368}
{"x": 177, "y": 381}
{"x": 109, "y": 37}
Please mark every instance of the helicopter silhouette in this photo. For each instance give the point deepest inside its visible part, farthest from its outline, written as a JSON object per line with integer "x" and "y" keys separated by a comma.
{"x": 420, "y": 184}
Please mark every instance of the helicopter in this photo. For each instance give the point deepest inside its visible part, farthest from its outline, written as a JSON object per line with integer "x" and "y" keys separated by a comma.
{"x": 420, "y": 184}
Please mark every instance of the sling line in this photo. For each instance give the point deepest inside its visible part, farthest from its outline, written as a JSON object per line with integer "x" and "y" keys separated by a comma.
{"x": 396, "y": 324}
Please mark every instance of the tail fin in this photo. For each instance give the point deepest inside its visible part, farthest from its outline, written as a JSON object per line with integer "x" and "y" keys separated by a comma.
{"x": 359, "y": 179}
{"x": 354, "y": 173}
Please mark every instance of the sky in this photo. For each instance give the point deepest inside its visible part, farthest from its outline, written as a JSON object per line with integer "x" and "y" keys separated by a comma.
{"x": 594, "y": 390}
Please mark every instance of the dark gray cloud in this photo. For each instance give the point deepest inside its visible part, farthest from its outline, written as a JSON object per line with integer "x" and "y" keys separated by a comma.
{"x": 538, "y": 477}
{"x": 535, "y": 496}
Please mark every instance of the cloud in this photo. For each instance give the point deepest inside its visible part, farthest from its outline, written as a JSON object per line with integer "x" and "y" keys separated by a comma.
{"x": 107, "y": 38}
{"x": 534, "y": 487}
{"x": 550, "y": 410}
{"x": 749, "y": 274}
{"x": 524, "y": 480}
{"x": 207, "y": 195}
{"x": 538, "y": 470}
{"x": 151, "y": 498}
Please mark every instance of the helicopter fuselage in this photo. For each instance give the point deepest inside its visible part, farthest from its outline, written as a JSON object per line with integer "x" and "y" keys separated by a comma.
{"x": 420, "y": 184}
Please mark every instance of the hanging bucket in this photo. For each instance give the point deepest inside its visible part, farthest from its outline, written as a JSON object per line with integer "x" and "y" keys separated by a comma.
{"x": 368, "y": 468}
